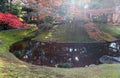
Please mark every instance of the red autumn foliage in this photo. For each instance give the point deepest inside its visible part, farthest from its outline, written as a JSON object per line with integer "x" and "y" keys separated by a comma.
{"x": 11, "y": 20}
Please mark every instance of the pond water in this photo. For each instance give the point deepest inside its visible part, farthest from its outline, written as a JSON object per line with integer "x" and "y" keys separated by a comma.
{"x": 66, "y": 54}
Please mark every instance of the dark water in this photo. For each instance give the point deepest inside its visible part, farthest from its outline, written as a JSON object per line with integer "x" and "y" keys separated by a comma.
{"x": 71, "y": 54}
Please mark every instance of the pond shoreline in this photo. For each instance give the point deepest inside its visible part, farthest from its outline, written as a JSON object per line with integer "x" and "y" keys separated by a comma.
{"x": 52, "y": 53}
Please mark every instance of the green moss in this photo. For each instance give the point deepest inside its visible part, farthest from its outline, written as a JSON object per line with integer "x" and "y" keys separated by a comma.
{"x": 43, "y": 36}
{"x": 10, "y": 67}
{"x": 59, "y": 33}
{"x": 12, "y": 36}
{"x": 13, "y": 68}
{"x": 71, "y": 34}
{"x": 113, "y": 30}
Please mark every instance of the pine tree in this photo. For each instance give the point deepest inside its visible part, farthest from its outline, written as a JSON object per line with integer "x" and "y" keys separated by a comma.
{"x": 4, "y": 6}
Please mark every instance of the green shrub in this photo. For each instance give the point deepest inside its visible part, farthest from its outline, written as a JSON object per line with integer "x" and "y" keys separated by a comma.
{"x": 18, "y": 54}
{"x": 64, "y": 65}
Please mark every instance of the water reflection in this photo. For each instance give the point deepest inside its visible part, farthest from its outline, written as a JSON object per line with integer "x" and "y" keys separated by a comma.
{"x": 51, "y": 53}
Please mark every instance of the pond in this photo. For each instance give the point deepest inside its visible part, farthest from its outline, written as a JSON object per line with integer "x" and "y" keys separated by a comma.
{"x": 63, "y": 54}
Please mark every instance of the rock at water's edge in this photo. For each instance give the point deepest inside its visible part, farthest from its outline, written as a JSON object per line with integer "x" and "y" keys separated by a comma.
{"x": 109, "y": 59}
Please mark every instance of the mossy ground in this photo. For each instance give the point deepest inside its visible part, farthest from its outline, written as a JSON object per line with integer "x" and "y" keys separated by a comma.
{"x": 113, "y": 30}
{"x": 11, "y": 67}
{"x": 12, "y": 36}
{"x": 65, "y": 34}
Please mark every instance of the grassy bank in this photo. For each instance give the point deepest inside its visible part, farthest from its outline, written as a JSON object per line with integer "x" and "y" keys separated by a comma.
{"x": 113, "y": 30}
{"x": 65, "y": 34}
{"x": 11, "y": 67}
{"x": 12, "y": 36}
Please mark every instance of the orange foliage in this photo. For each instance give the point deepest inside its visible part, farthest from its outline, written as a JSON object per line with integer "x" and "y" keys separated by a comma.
{"x": 57, "y": 2}
{"x": 45, "y": 2}
{"x": 43, "y": 16}
{"x": 51, "y": 2}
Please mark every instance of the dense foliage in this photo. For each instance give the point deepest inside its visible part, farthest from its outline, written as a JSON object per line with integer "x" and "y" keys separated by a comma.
{"x": 4, "y": 6}
{"x": 9, "y": 6}
{"x": 67, "y": 9}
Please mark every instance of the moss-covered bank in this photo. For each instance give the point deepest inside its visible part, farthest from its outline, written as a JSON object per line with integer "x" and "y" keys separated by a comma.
{"x": 11, "y": 67}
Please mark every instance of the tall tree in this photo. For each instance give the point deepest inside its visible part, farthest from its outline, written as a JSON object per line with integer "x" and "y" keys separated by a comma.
{"x": 101, "y": 4}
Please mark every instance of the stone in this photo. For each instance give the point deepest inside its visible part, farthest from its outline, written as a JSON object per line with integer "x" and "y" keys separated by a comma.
{"x": 91, "y": 65}
{"x": 109, "y": 59}
{"x": 1, "y": 41}
{"x": 86, "y": 66}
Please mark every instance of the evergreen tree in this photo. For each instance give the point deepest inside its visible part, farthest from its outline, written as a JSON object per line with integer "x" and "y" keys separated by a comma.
{"x": 4, "y": 6}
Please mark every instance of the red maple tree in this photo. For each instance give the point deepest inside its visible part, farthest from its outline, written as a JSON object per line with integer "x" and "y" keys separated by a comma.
{"x": 11, "y": 20}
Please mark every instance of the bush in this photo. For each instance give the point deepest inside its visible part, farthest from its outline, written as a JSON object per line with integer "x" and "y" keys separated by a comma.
{"x": 18, "y": 54}
{"x": 64, "y": 65}
{"x": 10, "y": 20}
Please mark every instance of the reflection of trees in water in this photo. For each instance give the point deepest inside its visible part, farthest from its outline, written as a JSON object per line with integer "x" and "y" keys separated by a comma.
{"x": 77, "y": 54}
